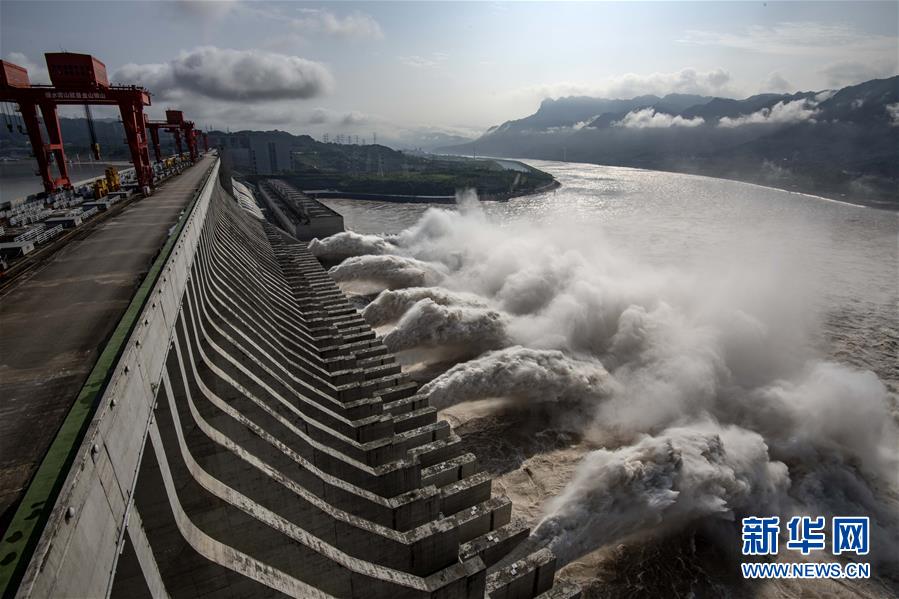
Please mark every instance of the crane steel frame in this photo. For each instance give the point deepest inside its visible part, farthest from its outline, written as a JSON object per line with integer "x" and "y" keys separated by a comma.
{"x": 131, "y": 99}
{"x": 174, "y": 123}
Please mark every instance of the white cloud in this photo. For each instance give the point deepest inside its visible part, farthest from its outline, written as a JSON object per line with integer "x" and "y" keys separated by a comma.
{"x": 648, "y": 118}
{"x": 284, "y": 115}
{"x": 231, "y": 75}
{"x": 319, "y": 116}
{"x": 157, "y": 77}
{"x": 418, "y": 62}
{"x": 242, "y": 116}
{"x": 37, "y": 72}
{"x": 806, "y": 38}
{"x": 354, "y": 118}
{"x": 893, "y": 113}
{"x": 782, "y": 113}
{"x": 776, "y": 83}
{"x": 423, "y": 62}
{"x": 424, "y": 136}
{"x": 201, "y": 9}
{"x": 326, "y": 116}
{"x": 685, "y": 81}
{"x": 390, "y": 132}
{"x": 850, "y": 72}
{"x": 355, "y": 25}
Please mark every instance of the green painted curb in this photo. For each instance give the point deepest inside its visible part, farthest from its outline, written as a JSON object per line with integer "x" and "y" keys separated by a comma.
{"x": 30, "y": 517}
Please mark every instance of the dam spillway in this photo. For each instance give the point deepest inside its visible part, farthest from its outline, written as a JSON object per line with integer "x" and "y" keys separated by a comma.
{"x": 256, "y": 438}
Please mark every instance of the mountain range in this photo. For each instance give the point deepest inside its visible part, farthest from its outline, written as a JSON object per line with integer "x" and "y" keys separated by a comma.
{"x": 110, "y": 135}
{"x": 842, "y": 143}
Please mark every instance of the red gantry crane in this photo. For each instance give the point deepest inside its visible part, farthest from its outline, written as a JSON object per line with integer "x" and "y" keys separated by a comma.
{"x": 175, "y": 124}
{"x": 77, "y": 79}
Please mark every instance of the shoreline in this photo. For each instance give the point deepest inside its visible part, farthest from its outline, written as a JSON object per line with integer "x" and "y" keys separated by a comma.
{"x": 886, "y": 207}
{"x": 425, "y": 199}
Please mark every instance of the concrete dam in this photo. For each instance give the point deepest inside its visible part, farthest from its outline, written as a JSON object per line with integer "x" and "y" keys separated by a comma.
{"x": 253, "y": 437}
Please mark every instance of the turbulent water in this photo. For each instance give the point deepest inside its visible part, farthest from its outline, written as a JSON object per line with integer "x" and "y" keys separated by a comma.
{"x": 642, "y": 358}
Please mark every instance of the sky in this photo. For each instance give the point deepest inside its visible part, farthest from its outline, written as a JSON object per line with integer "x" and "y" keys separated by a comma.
{"x": 410, "y": 70}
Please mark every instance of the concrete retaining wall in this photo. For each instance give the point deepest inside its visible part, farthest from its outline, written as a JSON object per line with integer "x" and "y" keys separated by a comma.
{"x": 78, "y": 550}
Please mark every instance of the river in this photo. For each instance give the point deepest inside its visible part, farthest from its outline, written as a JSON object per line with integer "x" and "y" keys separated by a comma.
{"x": 844, "y": 256}
{"x": 18, "y": 178}
{"x": 641, "y": 358}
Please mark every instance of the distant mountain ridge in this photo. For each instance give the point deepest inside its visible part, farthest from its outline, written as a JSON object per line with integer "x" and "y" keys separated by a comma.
{"x": 838, "y": 143}
{"x": 76, "y": 135}
{"x": 570, "y": 111}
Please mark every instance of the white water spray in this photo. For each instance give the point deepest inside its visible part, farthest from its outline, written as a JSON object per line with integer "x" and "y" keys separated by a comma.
{"x": 698, "y": 382}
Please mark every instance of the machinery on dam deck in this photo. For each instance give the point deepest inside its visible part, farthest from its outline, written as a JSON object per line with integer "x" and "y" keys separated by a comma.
{"x": 255, "y": 438}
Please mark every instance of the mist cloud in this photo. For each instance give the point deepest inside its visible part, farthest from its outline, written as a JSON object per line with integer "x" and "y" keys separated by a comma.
{"x": 782, "y": 113}
{"x": 776, "y": 83}
{"x": 703, "y": 404}
{"x": 348, "y": 244}
{"x": 428, "y": 325}
{"x": 389, "y": 272}
{"x": 232, "y": 75}
{"x": 680, "y": 475}
{"x": 684, "y": 81}
{"x": 648, "y": 118}
{"x": 391, "y": 304}
{"x": 714, "y": 82}
{"x": 522, "y": 374}
{"x": 893, "y": 113}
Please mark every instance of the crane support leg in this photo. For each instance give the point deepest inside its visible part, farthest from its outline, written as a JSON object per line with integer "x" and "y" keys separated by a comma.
{"x": 54, "y": 136}
{"x": 154, "y": 137}
{"x": 133, "y": 121}
{"x": 33, "y": 127}
{"x": 191, "y": 139}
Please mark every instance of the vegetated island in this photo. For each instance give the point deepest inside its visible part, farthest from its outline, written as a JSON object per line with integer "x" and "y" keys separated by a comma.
{"x": 376, "y": 172}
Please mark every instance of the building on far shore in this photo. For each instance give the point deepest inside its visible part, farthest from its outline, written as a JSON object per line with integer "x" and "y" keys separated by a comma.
{"x": 297, "y": 213}
{"x": 255, "y": 152}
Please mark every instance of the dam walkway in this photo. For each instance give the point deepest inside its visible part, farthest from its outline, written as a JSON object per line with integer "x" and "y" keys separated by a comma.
{"x": 55, "y": 321}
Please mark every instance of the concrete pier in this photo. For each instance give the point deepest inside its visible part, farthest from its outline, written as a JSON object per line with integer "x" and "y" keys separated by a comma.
{"x": 258, "y": 440}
